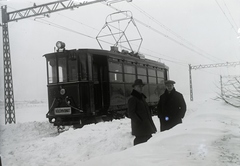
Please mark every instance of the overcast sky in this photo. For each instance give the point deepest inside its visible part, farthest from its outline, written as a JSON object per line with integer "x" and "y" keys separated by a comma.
{"x": 177, "y": 33}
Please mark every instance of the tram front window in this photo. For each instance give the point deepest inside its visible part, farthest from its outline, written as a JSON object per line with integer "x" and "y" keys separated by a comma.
{"x": 62, "y": 70}
{"x": 52, "y": 71}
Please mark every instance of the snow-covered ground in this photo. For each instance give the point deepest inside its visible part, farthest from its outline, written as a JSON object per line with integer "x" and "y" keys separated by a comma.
{"x": 209, "y": 135}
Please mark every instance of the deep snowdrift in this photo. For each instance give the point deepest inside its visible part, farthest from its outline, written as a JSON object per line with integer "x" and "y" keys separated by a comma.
{"x": 208, "y": 136}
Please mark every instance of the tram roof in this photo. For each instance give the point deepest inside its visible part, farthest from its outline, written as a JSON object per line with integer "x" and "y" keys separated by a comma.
{"x": 115, "y": 55}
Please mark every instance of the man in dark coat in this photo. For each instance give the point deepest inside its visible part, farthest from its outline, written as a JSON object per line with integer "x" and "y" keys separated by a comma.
{"x": 141, "y": 118}
{"x": 171, "y": 107}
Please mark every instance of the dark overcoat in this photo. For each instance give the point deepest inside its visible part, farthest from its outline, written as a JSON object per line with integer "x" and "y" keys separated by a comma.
{"x": 171, "y": 109}
{"x": 141, "y": 118}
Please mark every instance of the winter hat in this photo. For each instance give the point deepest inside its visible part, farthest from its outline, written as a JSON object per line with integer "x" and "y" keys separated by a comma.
{"x": 167, "y": 82}
{"x": 138, "y": 82}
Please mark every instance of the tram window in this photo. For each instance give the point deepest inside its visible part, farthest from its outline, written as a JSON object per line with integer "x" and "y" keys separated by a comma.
{"x": 160, "y": 74}
{"x": 62, "y": 69}
{"x": 129, "y": 78}
{"x": 141, "y": 71}
{"x": 115, "y": 67}
{"x": 165, "y": 73}
{"x": 52, "y": 71}
{"x": 129, "y": 69}
{"x": 83, "y": 62}
{"x": 151, "y": 72}
{"x": 115, "y": 77}
{"x": 95, "y": 73}
{"x": 143, "y": 78}
{"x": 117, "y": 96}
{"x": 152, "y": 80}
{"x": 73, "y": 70}
{"x": 89, "y": 67}
{"x": 160, "y": 80}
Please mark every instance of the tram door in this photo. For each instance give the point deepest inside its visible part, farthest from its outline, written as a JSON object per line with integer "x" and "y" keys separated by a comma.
{"x": 101, "y": 84}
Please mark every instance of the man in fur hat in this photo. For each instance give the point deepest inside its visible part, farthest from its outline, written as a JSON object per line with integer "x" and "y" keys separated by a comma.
{"x": 141, "y": 118}
{"x": 171, "y": 107}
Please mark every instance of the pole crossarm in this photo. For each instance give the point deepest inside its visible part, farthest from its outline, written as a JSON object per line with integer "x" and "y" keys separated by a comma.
{"x": 49, "y": 8}
{"x": 45, "y": 9}
{"x": 230, "y": 76}
{"x": 215, "y": 65}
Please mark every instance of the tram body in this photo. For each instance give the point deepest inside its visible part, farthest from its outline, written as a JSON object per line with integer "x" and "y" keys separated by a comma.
{"x": 85, "y": 85}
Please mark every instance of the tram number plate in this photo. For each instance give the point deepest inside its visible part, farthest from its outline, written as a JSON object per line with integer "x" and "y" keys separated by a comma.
{"x": 62, "y": 111}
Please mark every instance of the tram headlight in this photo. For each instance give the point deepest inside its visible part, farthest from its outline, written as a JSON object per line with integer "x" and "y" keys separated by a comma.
{"x": 53, "y": 120}
{"x": 62, "y": 91}
{"x": 60, "y": 45}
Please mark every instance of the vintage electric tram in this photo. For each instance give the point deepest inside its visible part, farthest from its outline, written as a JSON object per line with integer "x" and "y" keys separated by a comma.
{"x": 88, "y": 85}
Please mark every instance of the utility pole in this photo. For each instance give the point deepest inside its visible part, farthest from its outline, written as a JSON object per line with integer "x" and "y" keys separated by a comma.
{"x": 207, "y": 66}
{"x": 190, "y": 79}
{"x": 8, "y": 81}
{"x": 221, "y": 85}
{"x": 34, "y": 11}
